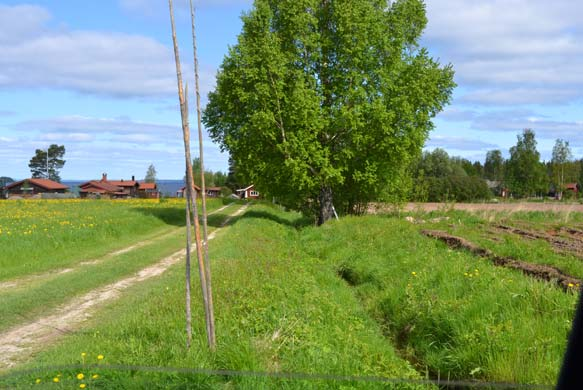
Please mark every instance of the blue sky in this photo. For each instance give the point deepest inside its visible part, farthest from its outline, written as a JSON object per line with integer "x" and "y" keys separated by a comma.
{"x": 99, "y": 78}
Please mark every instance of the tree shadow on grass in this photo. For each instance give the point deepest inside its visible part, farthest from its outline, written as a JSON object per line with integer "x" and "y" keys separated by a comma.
{"x": 296, "y": 223}
{"x": 169, "y": 215}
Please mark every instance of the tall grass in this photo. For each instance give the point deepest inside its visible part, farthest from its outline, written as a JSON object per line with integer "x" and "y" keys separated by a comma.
{"x": 364, "y": 296}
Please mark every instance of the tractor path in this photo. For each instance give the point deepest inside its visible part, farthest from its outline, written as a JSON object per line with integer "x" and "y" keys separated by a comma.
{"x": 25, "y": 280}
{"x": 22, "y": 341}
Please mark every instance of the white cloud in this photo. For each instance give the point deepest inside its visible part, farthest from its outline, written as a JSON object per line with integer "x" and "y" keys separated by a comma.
{"x": 458, "y": 143}
{"x": 67, "y": 137}
{"x": 102, "y": 63}
{"x": 511, "y": 51}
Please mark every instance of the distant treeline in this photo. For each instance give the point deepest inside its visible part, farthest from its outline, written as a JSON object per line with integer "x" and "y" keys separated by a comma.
{"x": 439, "y": 177}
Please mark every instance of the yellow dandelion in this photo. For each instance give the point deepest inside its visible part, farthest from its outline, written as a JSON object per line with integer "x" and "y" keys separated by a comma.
{"x": 414, "y": 273}
{"x": 571, "y": 285}
{"x": 83, "y": 354}
{"x": 80, "y": 376}
{"x": 37, "y": 381}
{"x": 56, "y": 379}
{"x": 94, "y": 376}
{"x": 465, "y": 274}
{"x": 99, "y": 357}
{"x": 82, "y": 385}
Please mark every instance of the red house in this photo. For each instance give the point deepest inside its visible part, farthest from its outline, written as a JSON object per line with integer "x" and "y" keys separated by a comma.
{"x": 28, "y": 188}
{"x": 109, "y": 188}
{"x": 213, "y": 192}
{"x": 148, "y": 190}
{"x": 248, "y": 192}
{"x": 180, "y": 193}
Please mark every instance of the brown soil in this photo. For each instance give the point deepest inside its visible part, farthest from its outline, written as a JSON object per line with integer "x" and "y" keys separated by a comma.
{"x": 538, "y": 271}
{"x": 560, "y": 244}
{"x": 20, "y": 342}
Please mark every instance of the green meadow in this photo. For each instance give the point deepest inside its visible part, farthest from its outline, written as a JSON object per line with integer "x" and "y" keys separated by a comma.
{"x": 342, "y": 306}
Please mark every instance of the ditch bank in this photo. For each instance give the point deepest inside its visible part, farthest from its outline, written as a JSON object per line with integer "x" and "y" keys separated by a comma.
{"x": 543, "y": 272}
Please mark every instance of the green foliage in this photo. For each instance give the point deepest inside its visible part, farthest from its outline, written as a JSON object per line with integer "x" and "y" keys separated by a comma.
{"x": 43, "y": 166}
{"x": 211, "y": 179}
{"x": 150, "y": 174}
{"x": 331, "y": 98}
{"x": 441, "y": 178}
{"x": 524, "y": 172}
{"x": 494, "y": 166}
{"x": 560, "y": 174}
{"x": 457, "y": 188}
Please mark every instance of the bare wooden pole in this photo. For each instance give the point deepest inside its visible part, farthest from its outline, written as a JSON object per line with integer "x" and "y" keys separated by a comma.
{"x": 191, "y": 194}
{"x": 202, "y": 179}
{"x": 187, "y": 274}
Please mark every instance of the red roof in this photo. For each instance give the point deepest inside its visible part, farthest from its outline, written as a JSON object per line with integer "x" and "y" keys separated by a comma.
{"x": 123, "y": 183}
{"x": 43, "y": 183}
{"x": 147, "y": 186}
{"x": 98, "y": 186}
{"x": 184, "y": 188}
{"x": 571, "y": 186}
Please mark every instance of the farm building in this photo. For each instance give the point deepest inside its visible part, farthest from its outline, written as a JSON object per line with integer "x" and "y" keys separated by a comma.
{"x": 31, "y": 187}
{"x": 248, "y": 192}
{"x": 213, "y": 192}
{"x": 180, "y": 193}
{"x": 148, "y": 190}
{"x": 109, "y": 188}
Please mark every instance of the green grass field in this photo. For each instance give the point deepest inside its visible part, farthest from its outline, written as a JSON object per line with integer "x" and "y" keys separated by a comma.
{"x": 365, "y": 297}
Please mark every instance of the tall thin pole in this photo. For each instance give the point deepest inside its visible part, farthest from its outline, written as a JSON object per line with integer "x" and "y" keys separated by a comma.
{"x": 182, "y": 96}
{"x": 187, "y": 275}
{"x": 202, "y": 179}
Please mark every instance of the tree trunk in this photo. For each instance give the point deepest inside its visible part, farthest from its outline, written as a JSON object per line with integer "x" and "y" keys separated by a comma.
{"x": 326, "y": 206}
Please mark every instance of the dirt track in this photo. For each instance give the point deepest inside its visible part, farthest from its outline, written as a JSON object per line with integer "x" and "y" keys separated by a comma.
{"x": 21, "y": 341}
{"x": 506, "y": 207}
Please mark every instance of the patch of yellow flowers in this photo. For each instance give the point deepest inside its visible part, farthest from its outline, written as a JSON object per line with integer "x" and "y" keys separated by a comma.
{"x": 80, "y": 376}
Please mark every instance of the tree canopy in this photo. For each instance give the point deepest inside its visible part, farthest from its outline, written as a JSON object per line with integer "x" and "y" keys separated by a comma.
{"x": 494, "y": 165}
{"x": 150, "y": 174}
{"x": 328, "y": 101}
{"x": 525, "y": 173}
{"x": 48, "y": 167}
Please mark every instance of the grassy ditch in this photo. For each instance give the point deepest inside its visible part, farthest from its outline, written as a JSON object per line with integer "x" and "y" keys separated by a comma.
{"x": 277, "y": 310}
{"x": 448, "y": 311}
{"x": 364, "y": 296}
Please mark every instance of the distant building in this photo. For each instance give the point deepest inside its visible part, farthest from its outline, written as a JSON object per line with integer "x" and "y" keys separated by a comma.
{"x": 29, "y": 188}
{"x": 248, "y": 192}
{"x": 213, "y": 192}
{"x": 148, "y": 190}
{"x": 114, "y": 189}
{"x": 181, "y": 192}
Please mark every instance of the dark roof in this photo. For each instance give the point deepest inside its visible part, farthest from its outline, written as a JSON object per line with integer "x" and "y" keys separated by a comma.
{"x": 123, "y": 183}
{"x": 100, "y": 185}
{"x": 43, "y": 183}
{"x": 184, "y": 188}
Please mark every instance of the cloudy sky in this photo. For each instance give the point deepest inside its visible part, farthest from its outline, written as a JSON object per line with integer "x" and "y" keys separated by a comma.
{"x": 99, "y": 78}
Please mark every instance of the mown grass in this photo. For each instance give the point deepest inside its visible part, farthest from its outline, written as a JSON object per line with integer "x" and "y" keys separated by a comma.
{"x": 40, "y": 235}
{"x": 364, "y": 296}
